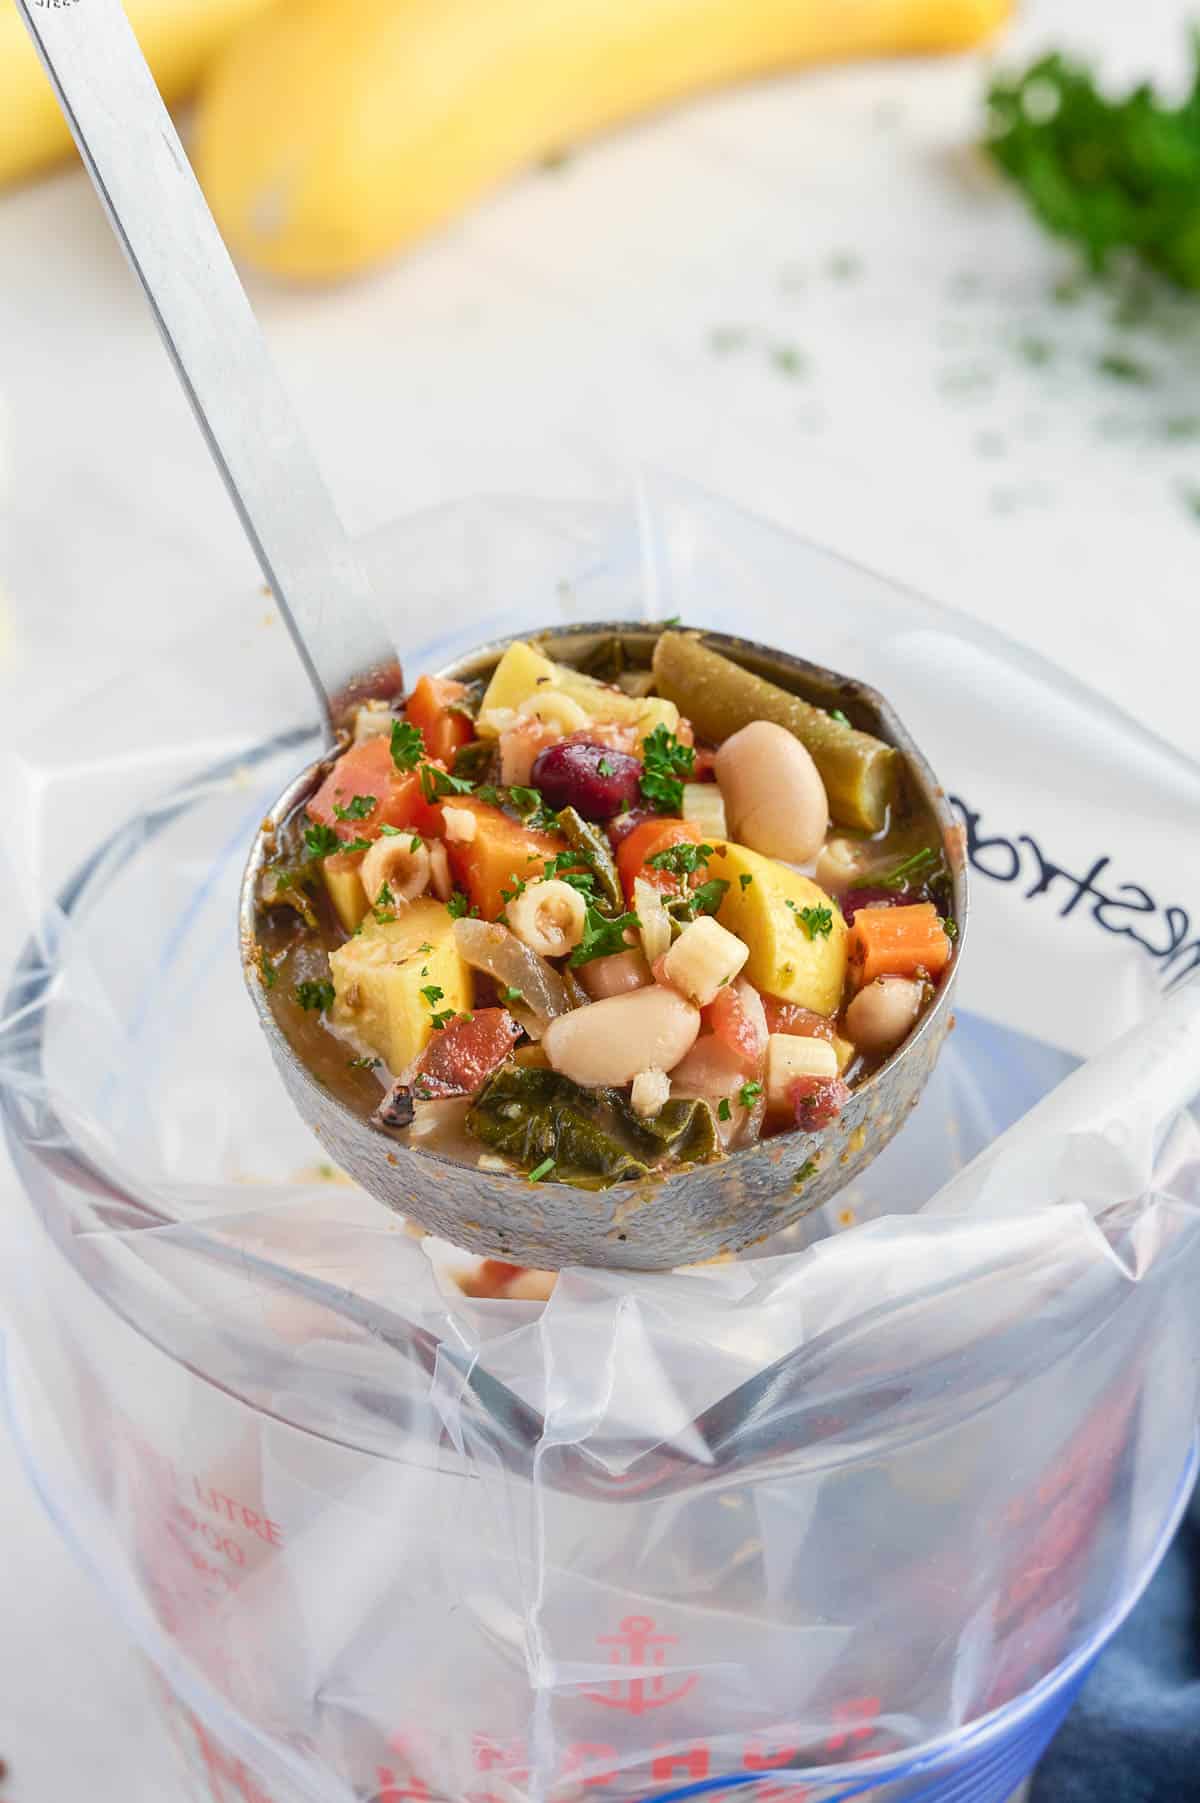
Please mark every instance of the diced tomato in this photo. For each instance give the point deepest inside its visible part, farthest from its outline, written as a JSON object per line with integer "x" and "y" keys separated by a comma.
{"x": 502, "y": 855}
{"x": 790, "y": 1017}
{"x": 704, "y": 766}
{"x": 466, "y": 1051}
{"x": 729, "y": 1017}
{"x": 368, "y": 770}
{"x": 443, "y": 727}
{"x": 817, "y": 1100}
{"x": 643, "y": 843}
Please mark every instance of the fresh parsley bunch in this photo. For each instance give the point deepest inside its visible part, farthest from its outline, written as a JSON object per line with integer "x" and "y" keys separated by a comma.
{"x": 1113, "y": 175}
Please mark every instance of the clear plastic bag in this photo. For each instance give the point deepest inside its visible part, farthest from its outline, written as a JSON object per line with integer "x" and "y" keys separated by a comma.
{"x": 757, "y": 1522}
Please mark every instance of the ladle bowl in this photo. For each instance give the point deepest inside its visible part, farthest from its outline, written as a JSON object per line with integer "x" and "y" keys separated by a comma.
{"x": 655, "y": 1223}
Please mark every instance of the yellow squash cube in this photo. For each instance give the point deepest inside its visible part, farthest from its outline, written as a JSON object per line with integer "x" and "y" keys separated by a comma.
{"x": 345, "y": 887}
{"x": 765, "y": 910}
{"x": 524, "y": 672}
{"x": 381, "y": 975}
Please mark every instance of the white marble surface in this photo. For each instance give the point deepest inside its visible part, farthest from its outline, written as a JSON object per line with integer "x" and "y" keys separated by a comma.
{"x": 807, "y": 296}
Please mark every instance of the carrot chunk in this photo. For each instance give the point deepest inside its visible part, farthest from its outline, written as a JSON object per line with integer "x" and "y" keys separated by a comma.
{"x": 897, "y": 942}
{"x": 443, "y": 727}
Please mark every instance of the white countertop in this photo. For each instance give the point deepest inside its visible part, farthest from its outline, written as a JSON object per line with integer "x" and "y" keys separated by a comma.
{"x": 806, "y": 295}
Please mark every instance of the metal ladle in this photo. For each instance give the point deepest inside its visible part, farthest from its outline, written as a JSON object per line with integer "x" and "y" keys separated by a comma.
{"x": 137, "y": 163}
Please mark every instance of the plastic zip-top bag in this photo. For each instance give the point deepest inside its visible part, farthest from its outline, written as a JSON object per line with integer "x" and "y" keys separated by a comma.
{"x": 848, "y": 1514}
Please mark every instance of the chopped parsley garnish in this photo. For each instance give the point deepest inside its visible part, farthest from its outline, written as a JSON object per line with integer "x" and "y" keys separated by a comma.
{"x": 807, "y": 1169}
{"x": 490, "y": 793}
{"x": 524, "y": 800}
{"x": 604, "y": 767}
{"x": 681, "y": 860}
{"x": 511, "y": 995}
{"x": 408, "y": 747}
{"x": 749, "y": 1093}
{"x": 266, "y": 969}
{"x": 665, "y": 762}
{"x": 357, "y": 809}
{"x": 835, "y": 713}
{"x": 724, "y": 1111}
{"x": 435, "y": 782}
{"x": 363, "y": 1064}
{"x": 316, "y": 995}
{"x": 708, "y": 897}
{"x": 518, "y": 888}
{"x": 440, "y": 1021}
{"x": 385, "y": 898}
{"x": 910, "y": 870}
{"x": 541, "y": 1170}
{"x": 1116, "y": 175}
{"x": 356, "y": 845}
{"x": 321, "y": 841}
{"x": 673, "y": 620}
{"x": 415, "y": 842}
{"x": 816, "y": 922}
{"x": 602, "y": 936}
{"x": 563, "y": 868}
{"x": 950, "y": 928}
{"x": 390, "y": 832}
{"x": 423, "y": 949}
{"x": 458, "y": 907}
{"x": 432, "y": 993}
{"x": 745, "y": 879}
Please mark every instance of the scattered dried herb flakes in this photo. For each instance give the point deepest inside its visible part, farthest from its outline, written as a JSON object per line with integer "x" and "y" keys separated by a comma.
{"x": 1189, "y": 494}
{"x": 724, "y": 339}
{"x": 788, "y": 360}
{"x": 1119, "y": 366}
{"x": 845, "y": 266}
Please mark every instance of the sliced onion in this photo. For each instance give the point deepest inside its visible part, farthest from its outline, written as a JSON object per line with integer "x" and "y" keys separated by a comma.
{"x": 488, "y": 946}
{"x": 654, "y": 921}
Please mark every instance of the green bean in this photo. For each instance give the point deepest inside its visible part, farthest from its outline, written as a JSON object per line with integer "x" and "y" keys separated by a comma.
{"x": 593, "y": 847}
{"x": 719, "y": 697}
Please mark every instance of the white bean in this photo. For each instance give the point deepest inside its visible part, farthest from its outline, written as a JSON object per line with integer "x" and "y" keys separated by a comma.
{"x": 844, "y": 864}
{"x": 615, "y": 975}
{"x": 773, "y": 793}
{"x": 883, "y": 1013}
{"x": 609, "y": 1042}
{"x": 396, "y": 866}
{"x": 548, "y": 917}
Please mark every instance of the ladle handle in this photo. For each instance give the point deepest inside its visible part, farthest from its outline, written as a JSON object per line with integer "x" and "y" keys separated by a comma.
{"x": 133, "y": 154}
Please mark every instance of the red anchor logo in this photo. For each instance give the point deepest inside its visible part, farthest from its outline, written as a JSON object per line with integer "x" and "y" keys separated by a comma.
{"x": 638, "y": 1645}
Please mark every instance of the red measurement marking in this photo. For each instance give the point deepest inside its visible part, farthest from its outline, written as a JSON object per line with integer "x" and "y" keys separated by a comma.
{"x": 638, "y": 1645}
{"x": 393, "y": 1789}
{"x": 228, "y": 1779}
{"x": 584, "y": 1753}
{"x": 863, "y": 1712}
{"x": 217, "y": 1502}
{"x": 757, "y": 1759}
{"x": 694, "y": 1763}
